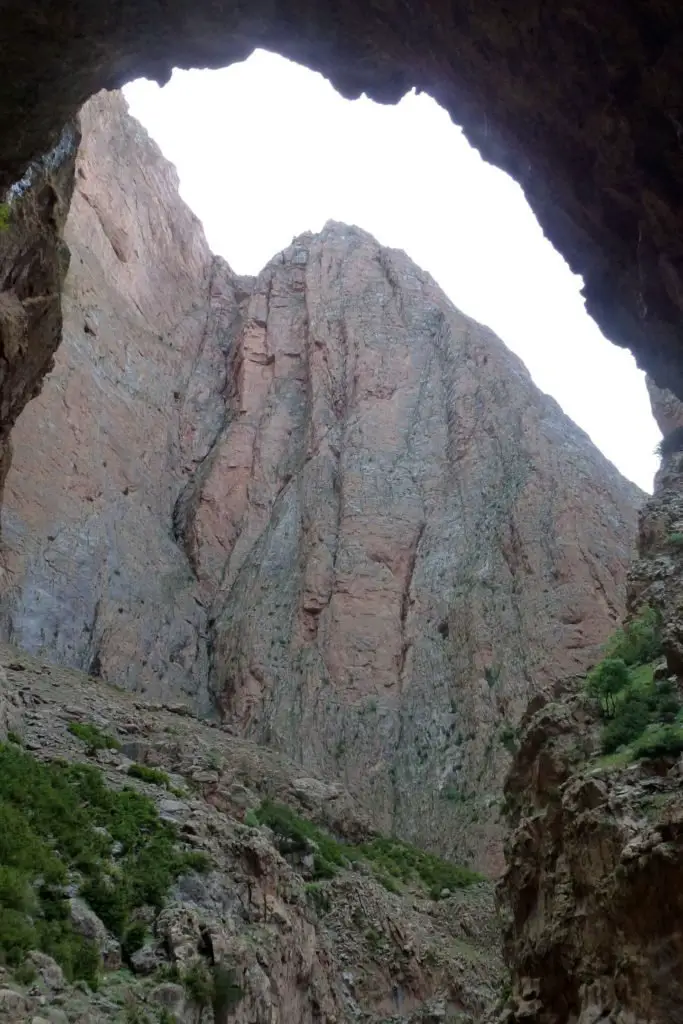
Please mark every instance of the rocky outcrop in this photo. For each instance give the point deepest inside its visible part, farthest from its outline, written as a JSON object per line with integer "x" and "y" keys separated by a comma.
{"x": 580, "y": 103}
{"x": 342, "y": 950}
{"x": 323, "y": 503}
{"x": 594, "y": 877}
{"x": 33, "y": 263}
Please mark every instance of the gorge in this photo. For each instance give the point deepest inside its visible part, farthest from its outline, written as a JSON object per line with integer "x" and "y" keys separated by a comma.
{"x": 317, "y": 539}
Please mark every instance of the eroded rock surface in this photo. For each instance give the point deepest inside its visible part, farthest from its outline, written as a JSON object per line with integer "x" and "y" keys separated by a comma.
{"x": 324, "y": 502}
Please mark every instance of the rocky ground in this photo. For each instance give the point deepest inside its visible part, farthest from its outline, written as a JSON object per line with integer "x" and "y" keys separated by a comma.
{"x": 330, "y": 950}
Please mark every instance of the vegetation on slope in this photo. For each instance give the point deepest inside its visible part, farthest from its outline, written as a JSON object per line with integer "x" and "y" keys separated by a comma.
{"x": 642, "y": 715}
{"x": 62, "y": 830}
{"x": 393, "y": 861}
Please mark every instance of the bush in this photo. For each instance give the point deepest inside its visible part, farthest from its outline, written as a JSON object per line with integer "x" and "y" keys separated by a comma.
{"x": 606, "y": 680}
{"x": 661, "y": 741}
{"x": 146, "y": 774}
{"x": 59, "y": 821}
{"x": 93, "y": 737}
{"x": 638, "y": 642}
{"x": 226, "y": 993}
{"x": 198, "y": 986}
{"x": 4, "y": 216}
{"x": 670, "y": 443}
{"x": 630, "y": 718}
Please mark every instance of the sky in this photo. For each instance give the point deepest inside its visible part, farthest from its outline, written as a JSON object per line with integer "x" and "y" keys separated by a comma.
{"x": 266, "y": 150}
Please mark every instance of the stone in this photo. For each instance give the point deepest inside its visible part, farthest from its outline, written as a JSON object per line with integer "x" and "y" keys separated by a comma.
{"x": 147, "y": 959}
{"x": 87, "y": 923}
{"x": 13, "y": 1005}
{"x": 171, "y": 996}
{"x": 49, "y": 971}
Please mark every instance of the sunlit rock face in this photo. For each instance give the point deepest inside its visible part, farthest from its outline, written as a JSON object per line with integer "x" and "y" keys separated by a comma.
{"x": 323, "y": 503}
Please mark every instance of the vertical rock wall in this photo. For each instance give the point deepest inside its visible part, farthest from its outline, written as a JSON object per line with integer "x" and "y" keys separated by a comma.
{"x": 324, "y": 503}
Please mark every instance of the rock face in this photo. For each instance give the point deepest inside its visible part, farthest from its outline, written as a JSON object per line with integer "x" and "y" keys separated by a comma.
{"x": 580, "y": 102}
{"x": 133, "y": 407}
{"x": 33, "y": 263}
{"x": 323, "y": 503}
{"x": 592, "y": 892}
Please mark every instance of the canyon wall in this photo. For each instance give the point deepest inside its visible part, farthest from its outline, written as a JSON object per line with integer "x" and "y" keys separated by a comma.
{"x": 322, "y": 504}
{"x": 591, "y": 897}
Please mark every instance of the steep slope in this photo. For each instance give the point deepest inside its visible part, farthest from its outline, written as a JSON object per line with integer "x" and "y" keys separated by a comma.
{"x": 302, "y": 949}
{"x": 323, "y": 503}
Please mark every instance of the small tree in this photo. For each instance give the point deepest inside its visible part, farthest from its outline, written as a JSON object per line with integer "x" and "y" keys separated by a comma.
{"x": 226, "y": 993}
{"x": 606, "y": 680}
{"x": 198, "y": 985}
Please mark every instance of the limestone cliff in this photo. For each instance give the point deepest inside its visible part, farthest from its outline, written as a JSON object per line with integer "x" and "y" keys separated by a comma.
{"x": 323, "y": 503}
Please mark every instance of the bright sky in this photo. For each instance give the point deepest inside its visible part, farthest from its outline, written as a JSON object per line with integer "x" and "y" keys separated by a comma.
{"x": 266, "y": 150}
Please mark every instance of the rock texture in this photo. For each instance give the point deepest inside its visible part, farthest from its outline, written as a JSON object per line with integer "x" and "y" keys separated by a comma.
{"x": 592, "y": 893}
{"x": 324, "y": 502}
{"x": 33, "y": 262}
{"x": 581, "y": 103}
{"x": 343, "y": 951}
{"x": 132, "y": 409}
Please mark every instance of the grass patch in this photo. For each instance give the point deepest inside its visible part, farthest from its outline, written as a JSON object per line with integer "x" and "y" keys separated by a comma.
{"x": 393, "y": 861}
{"x": 93, "y": 737}
{"x": 58, "y": 824}
{"x": 155, "y": 776}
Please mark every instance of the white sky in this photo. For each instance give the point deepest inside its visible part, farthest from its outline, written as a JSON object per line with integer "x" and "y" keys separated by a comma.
{"x": 267, "y": 149}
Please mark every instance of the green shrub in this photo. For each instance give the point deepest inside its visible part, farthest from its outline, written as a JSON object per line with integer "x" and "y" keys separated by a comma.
{"x": 146, "y": 774}
{"x": 300, "y": 834}
{"x": 675, "y": 539}
{"x": 14, "y": 737}
{"x": 508, "y": 737}
{"x": 639, "y": 641}
{"x": 93, "y": 737}
{"x": 670, "y": 443}
{"x": 607, "y": 679}
{"x": 226, "y": 993}
{"x": 56, "y": 820}
{"x": 5, "y": 215}
{"x": 251, "y": 819}
{"x": 390, "y": 858}
{"x": 133, "y": 938}
{"x": 630, "y": 718}
{"x": 660, "y": 741}
{"x": 198, "y": 985}
{"x": 318, "y": 896}
{"x": 451, "y": 793}
{"x": 25, "y": 974}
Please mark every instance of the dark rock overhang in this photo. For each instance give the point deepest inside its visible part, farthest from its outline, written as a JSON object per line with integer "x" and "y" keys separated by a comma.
{"x": 581, "y": 103}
